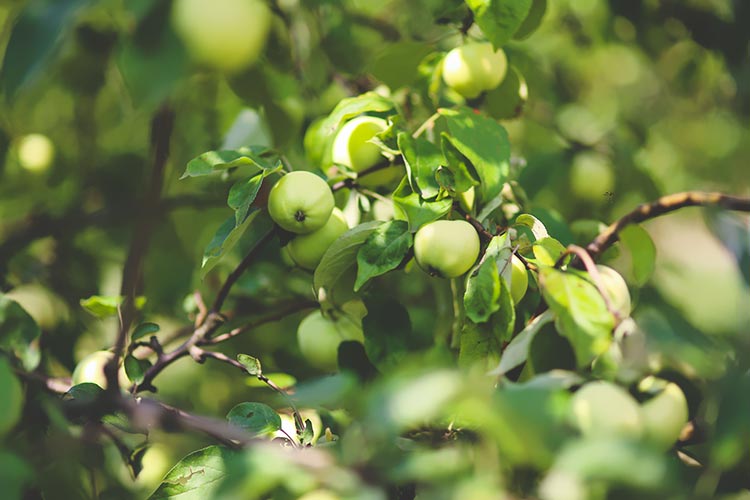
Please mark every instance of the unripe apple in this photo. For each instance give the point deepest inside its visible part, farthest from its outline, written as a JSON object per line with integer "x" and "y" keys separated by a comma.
{"x": 11, "y": 397}
{"x": 519, "y": 280}
{"x": 306, "y": 250}
{"x": 591, "y": 176}
{"x": 473, "y": 68}
{"x": 617, "y": 290}
{"x": 91, "y": 369}
{"x": 352, "y": 148}
{"x": 319, "y": 337}
{"x": 300, "y": 202}
{"x": 35, "y": 152}
{"x": 228, "y": 35}
{"x": 446, "y": 248}
{"x": 602, "y": 409}
{"x": 665, "y": 414}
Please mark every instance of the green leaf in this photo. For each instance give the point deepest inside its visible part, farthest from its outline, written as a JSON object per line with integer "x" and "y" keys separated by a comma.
{"x": 353, "y": 106}
{"x": 506, "y": 101}
{"x": 229, "y": 234}
{"x": 34, "y": 41}
{"x": 242, "y": 195}
{"x": 537, "y": 227}
{"x": 482, "y": 295}
{"x": 383, "y": 250}
{"x": 198, "y": 476}
{"x": 144, "y": 329}
{"x": 258, "y": 157}
{"x": 86, "y": 392}
{"x": 641, "y": 250}
{"x": 388, "y": 333}
{"x": 547, "y": 250}
{"x": 419, "y": 211}
{"x": 396, "y": 65}
{"x": 517, "y": 351}
{"x": 19, "y": 333}
{"x": 135, "y": 368}
{"x": 532, "y": 21}
{"x": 307, "y": 435}
{"x": 103, "y": 306}
{"x": 256, "y": 418}
{"x": 15, "y": 475}
{"x": 251, "y": 364}
{"x": 457, "y": 175}
{"x": 499, "y": 19}
{"x": 484, "y": 142}
{"x": 479, "y": 344}
{"x": 422, "y": 159}
{"x": 582, "y": 316}
{"x": 341, "y": 255}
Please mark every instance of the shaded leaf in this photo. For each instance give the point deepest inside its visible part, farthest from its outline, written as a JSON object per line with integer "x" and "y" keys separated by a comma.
{"x": 144, "y": 329}
{"x": 242, "y": 195}
{"x": 19, "y": 332}
{"x": 383, "y": 251}
{"x": 251, "y": 364}
{"x": 256, "y": 418}
{"x": 259, "y": 157}
{"x": 422, "y": 159}
{"x": 197, "y": 476}
{"x": 135, "y": 368}
{"x": 517, "y": 351}
{"x": 419, "y": 211}
{"x": 499, "y": 19}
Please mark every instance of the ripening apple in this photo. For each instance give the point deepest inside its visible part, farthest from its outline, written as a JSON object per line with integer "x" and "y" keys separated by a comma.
{"x": 519, "y": 279}
{"x": 591, "y": 176}
{"x": 228, "y": 35}
{"x": 617, "y": 290}
{"x": 35, "y": 152}
{"x": 603, "y": 409}
{"x": 665, "y": 414}
{"x": 319, "y": 337}
{"x": 446, "y": 248}
{"x": 352, "y": 148}
{"x": 11, "y": 397}
{"x": 91, "y": 369}
{"x": 300, "y": 202}
{"x": 306, "y": 250}
{"x": 473, "y": 68}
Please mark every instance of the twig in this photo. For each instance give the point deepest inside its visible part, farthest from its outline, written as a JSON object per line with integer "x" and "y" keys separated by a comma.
{"x": 662, "y": 206}
{"x": 161, "y": 131}
{"x": 428, "y": 124}
{"x": 235, "y": 275}
{"x": 483, "y": 233}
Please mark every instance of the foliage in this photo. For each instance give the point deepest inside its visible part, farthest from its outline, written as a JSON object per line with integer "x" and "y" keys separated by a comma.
{"x": 142, "y": 227}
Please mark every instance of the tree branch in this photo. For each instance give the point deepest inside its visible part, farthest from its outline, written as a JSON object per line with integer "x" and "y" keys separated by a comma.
{"x": 662, "y": 206}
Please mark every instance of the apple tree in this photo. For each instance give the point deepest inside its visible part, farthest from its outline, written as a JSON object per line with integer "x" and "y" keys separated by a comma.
{"x": 429, "y": 249}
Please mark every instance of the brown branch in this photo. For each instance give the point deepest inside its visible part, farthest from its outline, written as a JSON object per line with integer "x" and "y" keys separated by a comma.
{"x": 162, "y": 125}
{"x": 241, "y": 268}
{"x": 662, "y": 206}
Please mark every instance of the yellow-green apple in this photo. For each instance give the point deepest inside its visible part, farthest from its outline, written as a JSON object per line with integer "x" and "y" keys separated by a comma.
{"x": 300, "y": 202}
{"x": 446, "y": 248}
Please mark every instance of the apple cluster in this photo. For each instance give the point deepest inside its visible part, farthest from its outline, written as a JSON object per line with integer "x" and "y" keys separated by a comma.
{"x": 302, "y": 203}
{"x": 601, "y": 409}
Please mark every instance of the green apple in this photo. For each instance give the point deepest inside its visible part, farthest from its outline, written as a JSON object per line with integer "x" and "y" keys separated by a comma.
{"x": 353, "y": 149}
{"x": 228, "y": 35}
{"x": 11, "y": 397}
{"x": 319, "y": 337}
{"x": 446, "y": 248}
{"x": 617, "y": 290}
{"x": 473, "y": 68}
{"x": 300, "y": 202}
{"x": 35, "y": 152}
{"x": 665, "y": 414}
{"x": 91, "y": 369}
{"x": 46, "y": 307}
{"x": 591, "y": 176}
{"x": 519, "y": 280}
{"x": 306, "y": 250}
{"x": 320, "y": 495}
{"x": 603, "y": 409}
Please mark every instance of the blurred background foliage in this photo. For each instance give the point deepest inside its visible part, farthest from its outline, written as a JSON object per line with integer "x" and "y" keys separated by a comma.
{"x": 648, "y": 96}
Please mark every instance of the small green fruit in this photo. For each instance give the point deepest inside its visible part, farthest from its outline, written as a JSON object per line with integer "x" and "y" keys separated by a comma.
{"x": 319, "y": 337}
{"x": 35, "y": 152}
{"x": 602, "y": 409}
{"x": 11, "y": 397}
{"x": 617, "y": 290}
{"x": 352, "y": 149}
{"x": 228, "y": 35}
{"x": 446, "y": 248}
{"x": 591, "y": 177}
{"x": 91, "y": 369}
{"x": 519, "y": 280}
{"x": 300, "y": 202}
{"x": 473, "y": 68}
{"x": 306, "y": 250}
{"x": 665, "y": 415}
